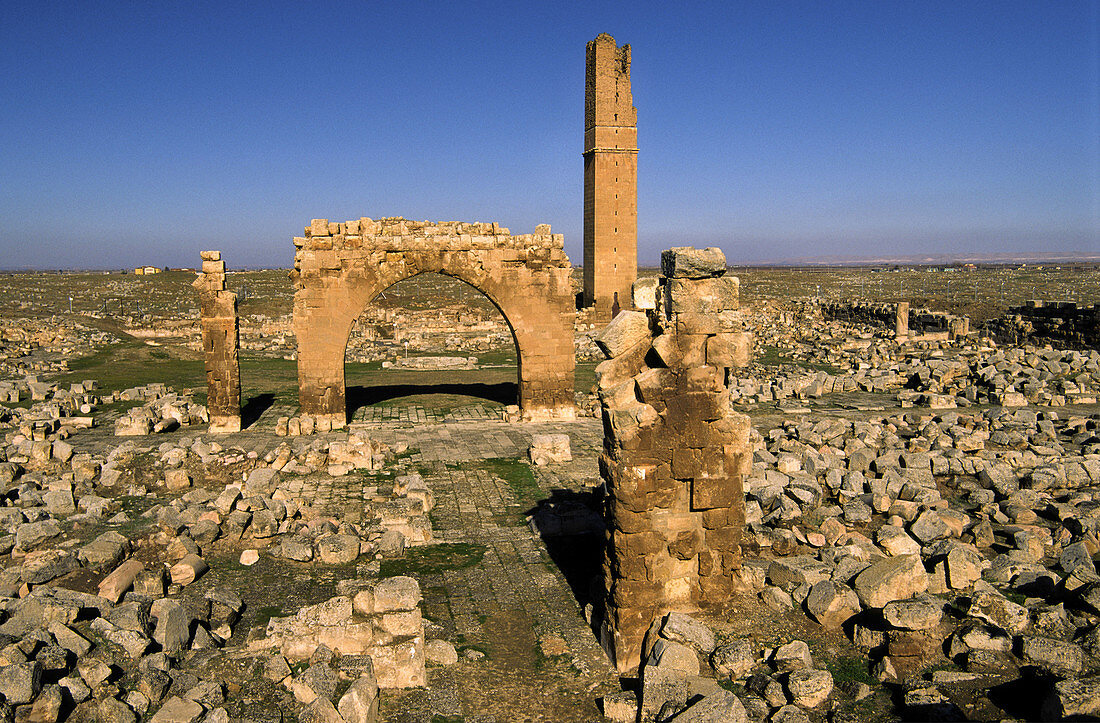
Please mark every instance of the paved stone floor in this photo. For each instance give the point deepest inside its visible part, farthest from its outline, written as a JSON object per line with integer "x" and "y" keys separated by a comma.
{"x": 379, "y": 414}
{"x": 516, "y": 576}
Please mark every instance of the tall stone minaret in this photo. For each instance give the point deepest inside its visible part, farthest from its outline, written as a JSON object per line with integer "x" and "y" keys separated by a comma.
{"x": 610, "y": 178}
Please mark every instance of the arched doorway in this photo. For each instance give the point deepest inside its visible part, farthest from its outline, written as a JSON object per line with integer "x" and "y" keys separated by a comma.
{"x": 339, "y": 268}
{"x": 430, "y": 348}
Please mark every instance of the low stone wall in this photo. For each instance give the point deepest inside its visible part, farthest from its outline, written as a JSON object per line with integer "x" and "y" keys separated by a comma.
{"x": 1061, "y": 322}
{"x": 381, "y": 622}
{"x": 674, "y": 451}
{"x": 905, "y": 321}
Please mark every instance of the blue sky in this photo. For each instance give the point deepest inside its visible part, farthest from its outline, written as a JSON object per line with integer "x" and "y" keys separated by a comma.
{"x": 138, "y": 132}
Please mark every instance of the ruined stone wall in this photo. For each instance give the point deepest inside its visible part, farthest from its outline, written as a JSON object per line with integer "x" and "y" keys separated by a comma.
{"x": 339, "y": 268}
{"x": 1062, "y": 322}
{"x": 220, "y": 344}
{"x": 674, "y": 452}
{"x": 610, "y": 178}
{"x": 905, "y": 321}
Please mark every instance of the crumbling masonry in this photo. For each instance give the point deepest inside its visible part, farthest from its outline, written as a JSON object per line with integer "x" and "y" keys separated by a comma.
{"x": 220, "y": 343}
{"x": 674, "y": 451}
{"x": 339, "y": 268}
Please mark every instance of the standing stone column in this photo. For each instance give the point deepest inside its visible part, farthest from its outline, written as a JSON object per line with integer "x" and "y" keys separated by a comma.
{"x": 901, "y": 321}
{"x": 220, "y": 342}
{"x": 675, "y": 453}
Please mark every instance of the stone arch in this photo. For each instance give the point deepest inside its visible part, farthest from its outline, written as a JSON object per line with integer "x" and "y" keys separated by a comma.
{"x": 339, "y": 268}
{"x": 384, "y": 285}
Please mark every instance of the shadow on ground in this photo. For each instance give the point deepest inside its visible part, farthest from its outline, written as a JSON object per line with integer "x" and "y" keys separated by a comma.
{"x": 572, "y": 529}
{"x": 360, "y": 396}
{"x": 254, "y": 407}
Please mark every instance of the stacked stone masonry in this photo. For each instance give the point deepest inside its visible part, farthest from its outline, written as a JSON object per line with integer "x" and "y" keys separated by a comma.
{"x": 674, "y": 451}
{"x": 610, "y": 178}
{"x": 1063, "y": 323}
{"x": 220, "y": 345}
{"x": 339, "y": 268}
{"x": 905, "y": 321}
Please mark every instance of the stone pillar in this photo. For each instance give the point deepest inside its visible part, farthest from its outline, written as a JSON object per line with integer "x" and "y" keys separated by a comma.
{"x": 220, "y": 342}
{"x": 675, "y": 453}
{"x": 901, "y": 324}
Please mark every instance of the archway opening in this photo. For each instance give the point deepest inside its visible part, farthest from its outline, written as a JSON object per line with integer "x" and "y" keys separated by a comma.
{"x": 430, "y": 348}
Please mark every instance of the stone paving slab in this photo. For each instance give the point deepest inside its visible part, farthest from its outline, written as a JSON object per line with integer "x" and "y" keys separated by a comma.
{"x": 516, "y": 573}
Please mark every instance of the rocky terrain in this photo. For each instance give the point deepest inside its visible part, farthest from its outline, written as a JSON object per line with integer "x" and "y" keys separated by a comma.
{"x": 920, "y": 544}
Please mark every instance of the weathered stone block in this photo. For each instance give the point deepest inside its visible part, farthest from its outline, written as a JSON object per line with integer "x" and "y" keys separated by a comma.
{"x": 686, "y": 262}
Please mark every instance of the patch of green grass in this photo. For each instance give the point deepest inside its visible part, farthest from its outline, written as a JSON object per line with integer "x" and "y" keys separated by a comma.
{"x": 407, "y": 454}
{"x": 264, "y": 614}
{"x": 431, "y": 559}
{"x": 732, "y": 686}
{"x": 772, "y": 356}
{"x": 942, "y": 665}
{"x": 517, "y": 474}
{"x": 848, "y": 668}
{"x": 131, "y": 363}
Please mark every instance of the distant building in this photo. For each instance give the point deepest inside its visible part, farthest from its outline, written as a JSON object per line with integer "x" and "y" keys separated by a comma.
{"x": 146, "y": 270}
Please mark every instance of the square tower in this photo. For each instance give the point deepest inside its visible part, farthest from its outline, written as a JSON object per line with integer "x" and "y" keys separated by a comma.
{"x": 610, "y": 178}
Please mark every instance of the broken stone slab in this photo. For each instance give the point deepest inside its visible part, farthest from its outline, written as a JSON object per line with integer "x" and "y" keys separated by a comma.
{"x": 549, "y": 448}
{"x": 919, "y": 613}
{"x": 1077, "y": 699}
{"x": 620, "y": 707}
{"x": 810, "y": 688}
{"x": 626, "y": 331}
{"x": 793, "y": 656}
{"x": 788, "y": 573}
{"x": 21, "y": 682}
{"x": 660, "y": 687}
{"x": 360, "y": 703}
{"x": 682, "y": 628}
{"x": 831, "y": 604}
{"x": 719, "y": 707}
{"x": 892, "y": 578}
{"x": 686, "y": 262}
{"x": 1056, "y": 656}
{"x": 440, "y": 652}
{"x": 671, "y": 656}
{"x": 178, "y": 710}
{"x": 993, "y": 607}
{"x": 734, "y": 659}
{"x": 172, "y": 628}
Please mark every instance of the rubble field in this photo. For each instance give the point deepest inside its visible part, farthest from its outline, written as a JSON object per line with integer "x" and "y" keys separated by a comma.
{"x": 922, "y": 518}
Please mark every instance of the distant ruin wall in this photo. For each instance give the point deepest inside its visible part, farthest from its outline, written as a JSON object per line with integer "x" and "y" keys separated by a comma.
{"x": 220, "y": 345}
{"x": 1061, "y": 322}
{"x": 339, "y": 268}
{"x": 674, "y": 452}
{"x": 903, "y": 320}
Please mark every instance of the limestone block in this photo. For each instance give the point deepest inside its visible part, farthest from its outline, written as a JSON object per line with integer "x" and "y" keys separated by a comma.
{"x": 703, "y": 296}
{"x": 711, "y": 492}
{"x": 625, "y": 331}
{"x": 644, "y": 293}
{"x": 729, "y": 349}
{"x": 210, "y": 255}
{"x": 686, "y": 262}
